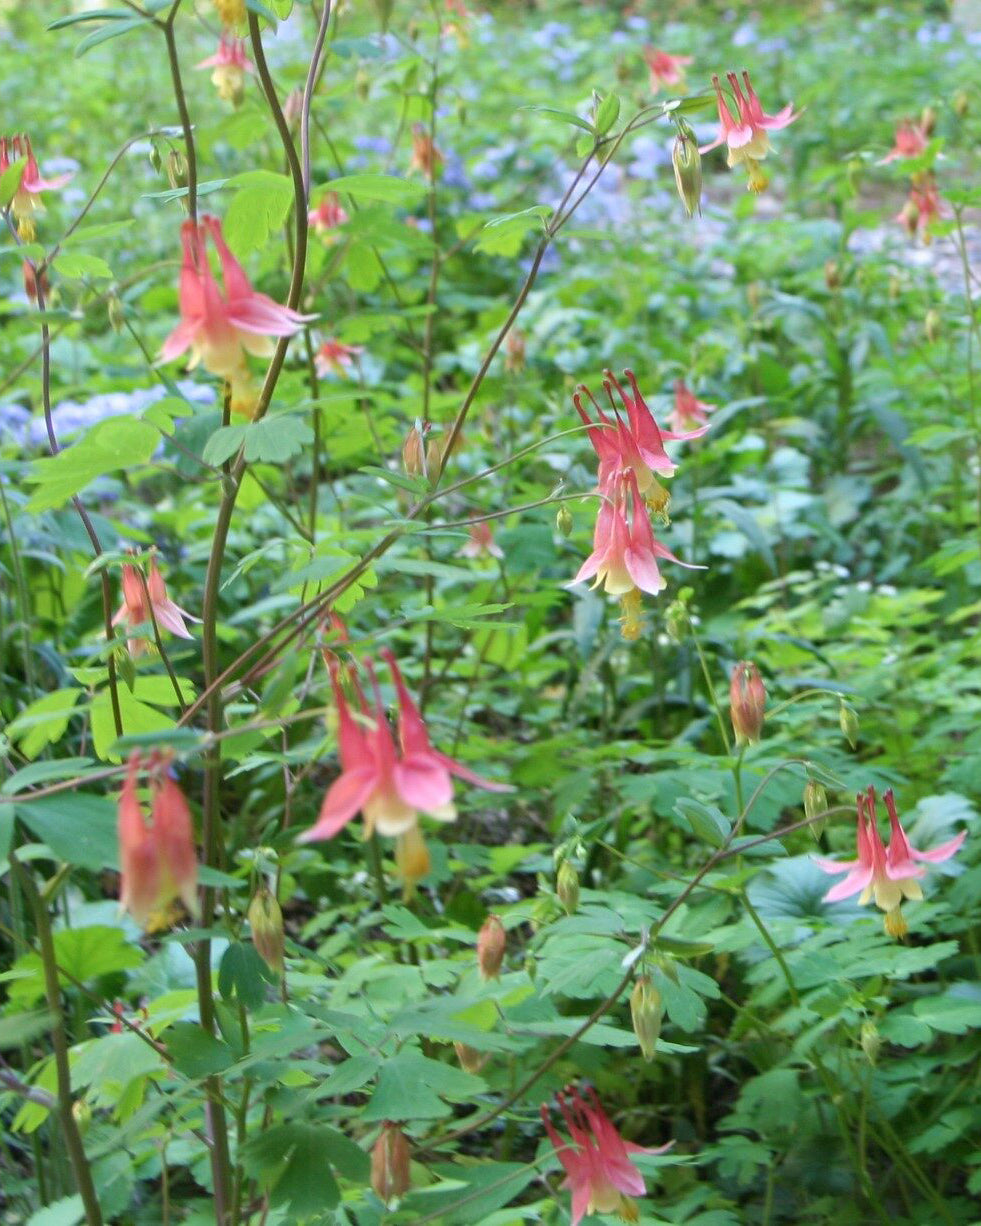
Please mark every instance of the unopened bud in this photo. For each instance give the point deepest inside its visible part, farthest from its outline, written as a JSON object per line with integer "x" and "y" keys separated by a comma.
{"x": 514, "y": 351}
{"x": 961, "y": 102}
{"x": 563, "y": 521}
{"x": 390, "y": 1164}
{"x": 646, "y": 1012}
{"x": 895, "y": 924}
{"x": 491, "y": 944}
{"x": 754, "y": 295}
{"x": 31, "y": 281}
{"x": 848, "y": 721}
{"x": 747, "y": 702}
{"x": 293, "y": 107}
{"x": 412, "y": 858}
{"x": 434, "y": 458}
{"x": 82, "y": 1113}
{"x": 413, "y": 456}
{"x": 156, "y": 162}
{"x": 362, "y": 83}
{"x": 266, "y": 921}
{"x": 871, "y": 1041}
{"x": 909, "y": 218}
{"x": 176, "y": 169}
{"x": 932, "y": 325}
{"x": 471, "y": 1060}
{"x": 676, "y": 621}
{"x": 832, "y": 275}
{"x": 815, "y": 802}
{"x": 928, "y": 120}
{"x": 116, "y": 312}
{"x": 567, "y": 887}
{"x": 687, "y": 162}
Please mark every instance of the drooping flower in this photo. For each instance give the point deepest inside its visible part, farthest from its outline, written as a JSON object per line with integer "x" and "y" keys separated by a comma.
{"x": 747, "y": 702}
{"x": 747, "y": 137}
{"x": 910, "y": 142}
{"x": 688, "y": 411}
{"x": 157, "y": 859}
{"x": 390, "y": 1158}
{"x": 221, "y": 326}
{"x": 26, "y": 199}
{"x": 328, "y": 214}
{"x": 885, "y": 876}
{"x": 481, "y": 542}
{"x": 136, "y": 611}
{"x": 922, "y": 207}
{"x": 334, "y": 357}
{"x": 391, "y": 787}
{"x": 596, "y": 1159}
{"x": 665, "y": 69}
{"x": 230, "y": 64}
{"x": 426, "y": 158}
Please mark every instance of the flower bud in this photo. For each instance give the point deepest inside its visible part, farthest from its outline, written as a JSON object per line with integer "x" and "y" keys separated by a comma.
{"x": 434, "y": 458}
{"x": 832, "y": 275}
{"x": 687, "y": 162}
{"x": 928, "y": 120}
{"x": 413, "y": 456}
{"x": 82, "y": 1113}
{"x": 471, "y": 1060}
{"x": 293, "y": 107}
{"x": 909, "y": 218}
{"x": 932, "y": 325}
{"x": 156, "y": 162}
{"x": 871, "y": 1041}
{"x": 514, "y": 356}
{"x": 747, "y": 702}
{"x": 815, "y": 802}
{"x": 848, "y": 721}
{"x": 176, "y": 169}
{"x": 390, "y": 1164}
{"x": 31, "y": 281}
{"x": 116, "y": 312}
{"x": 567, "y": 887}
{"x": 491, "y": 944}
{"x": 646, "y": 1012}
{"x": 563, "y": 520}
{"x": 266, "y": 921}
{"x": 961, "y": 102}
{"x": 895, "y": 924}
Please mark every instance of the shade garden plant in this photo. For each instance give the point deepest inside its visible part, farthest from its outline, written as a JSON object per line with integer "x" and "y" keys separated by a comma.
{"x": 489, "y": 604}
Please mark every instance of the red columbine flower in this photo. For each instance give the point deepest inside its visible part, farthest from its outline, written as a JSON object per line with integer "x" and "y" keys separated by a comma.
{"x": 221, "y": 326}
{"x": 230, "y": 64}
{"x": 910, "y": 142}
{"x": 390, "y": 787}
{"x": 688, "y": 410}
{"x": 157, "y": 860}
{"x": 27, "y": 198}
{"x": 747, "y": 138}
{"x": 328, "y": 214}
{"x": 481, "y": 542}
{"x": 887, "y": 876}
{"x": 335, "y": 357}
{"x": 665, "y": 69}
{"x": 596, "y": 1159}
{"x": 637, "y": 443}
{"x": 921, "y": 208}
{"x": 135, "y": 612}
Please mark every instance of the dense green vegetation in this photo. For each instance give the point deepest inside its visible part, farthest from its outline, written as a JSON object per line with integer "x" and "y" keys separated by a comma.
{"x": 365, "y": 1026}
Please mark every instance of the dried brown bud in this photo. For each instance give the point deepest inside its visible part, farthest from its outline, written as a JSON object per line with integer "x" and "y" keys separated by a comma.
{"x": 747, "y": 702}
{"x": 471, "y": 1060}
{"x": 413, "y": 455}
{"x": 491, "y": 944}
{"x": 390, "y": 1159}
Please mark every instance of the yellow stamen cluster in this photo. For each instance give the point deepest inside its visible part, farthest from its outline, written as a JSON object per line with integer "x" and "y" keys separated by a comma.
{"x": 231, "y": 12}
{"x": 632, "y": 622}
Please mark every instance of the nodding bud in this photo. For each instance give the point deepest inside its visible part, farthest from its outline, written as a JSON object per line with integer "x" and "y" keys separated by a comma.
{"x": 471, "y": 1060}
{"x": 895, "y": 924}
{"x": 870, "y": 1040}
{"x": 961, "y": 102}
{"x": 832, "y": 275}
{"x": 413, "y": 453}
{"x": 687, "y": 163}
{"x": 928, "y": 120}
{"x": 646, "y": 1012}
{"x": 156, "y": 162}
{"x": 412, "y": 858}
{"x": 848, "y": 721}
{"x": 31, "y": 281}
{"x": 176, "y": 169}
{"x": 747, "y": 702}
{"x": 514, "y": 352}
{"x": 567, "y": 887}
{"x": 909, "y": 217}
{"x": 932, "y": 325}
{"x": 116, "y": 312}
{"x": 434, "y": 458}
{"x": 266, "y": 921}
{"x": 293, "y": 107}
{"x": 815, "y": 802}
{"x": 491, "y": 944}
{"x": 390, "y": 1164}
{"x": 563, "y": 521}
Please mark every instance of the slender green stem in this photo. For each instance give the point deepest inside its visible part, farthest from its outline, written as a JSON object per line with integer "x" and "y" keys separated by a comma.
{"x": 23, "y": 603}
{"x": 185, "y": 117}
{"x": 710, "y": 688}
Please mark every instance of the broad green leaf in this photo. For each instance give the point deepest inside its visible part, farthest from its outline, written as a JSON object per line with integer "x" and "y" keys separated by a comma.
{"x": 707, "y": 821}
{"x": 68, "y": 1211}
{"x": 291, "y": 1163}
{"x": 137, "y": 718}
{"x": 389, "y": 188}
{"x": 258, "y": 208}
{"x": 277, "y": 438}
{"x": 78, "y": 827}
{"x": 78, "y": 264}
{"x": 242, "y": 973}
{"x": 111, "y": 445}
{"x": 195, "y": 1052}
{"x": 410, "y": 1085}
{"x": 24, "y": 1027}
{"x": 44, "y": 722}
{"x": 607, "y": 114}
{"x": 505, "y": 235}
{"x": 82, "y": 954}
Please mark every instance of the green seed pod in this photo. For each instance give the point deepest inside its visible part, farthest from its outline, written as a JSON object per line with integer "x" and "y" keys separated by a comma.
{"x": 563, "y": 520}
{"x": 646, "y": 1012}
{"x": 815, "y": 802}
{"x": 687, "y": 163}
{"x": 567, "y": 887}
{"x": 849, "y": 724}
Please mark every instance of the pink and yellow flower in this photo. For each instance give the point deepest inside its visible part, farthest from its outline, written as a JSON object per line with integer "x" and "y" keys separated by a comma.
{"x": 390, "y": 786}
{"x": 136, "y": 611}
{"x": 746, "y": 137}
{"x": 221, "y": 327}
{"x": 481, "y": 543}
{"x": 334, "y": 357}
{"x": 910, "y": 142}
{"x": 688, "y": 411}
{"x": 230, "y": 64}
{"x": 665, "y": 69}
{"x": 596, "y": 1159}
{"x": 157, "y": 860}
{"x": 328, "y": 214}
{"x": 886, "y": 876}
{"x": 26, "y": 200}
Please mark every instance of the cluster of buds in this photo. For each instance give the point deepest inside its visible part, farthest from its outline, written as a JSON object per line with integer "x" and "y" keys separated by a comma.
{"x": 157, "y": 858}
{"x": 630, "y": 449}
{"x": 747, "y": 702}
{"x": 886, "y": 874}
{"x": 746, "y": 135}
{"x": 26, "y": 200}
{"x": 145, "y": 601}
{"x": 390, "y": 785}
{"x": 230, "y": 65}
